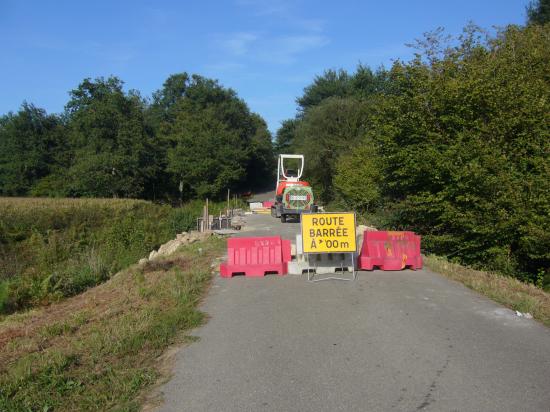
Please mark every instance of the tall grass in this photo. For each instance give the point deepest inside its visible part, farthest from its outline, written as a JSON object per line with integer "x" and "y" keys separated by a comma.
{"x": 54, "y": 248}
{"x": 100, "y": 350}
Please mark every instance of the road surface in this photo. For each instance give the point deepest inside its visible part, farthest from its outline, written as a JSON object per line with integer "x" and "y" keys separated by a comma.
{"x": 390, "y": 341}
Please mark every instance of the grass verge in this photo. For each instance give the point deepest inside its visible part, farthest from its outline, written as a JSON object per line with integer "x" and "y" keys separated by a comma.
{"x": 505, "y": 290}
{"x": 100, "y": 349}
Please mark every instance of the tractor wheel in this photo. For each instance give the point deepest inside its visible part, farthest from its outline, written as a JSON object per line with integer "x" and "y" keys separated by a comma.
{"x": 283, "y": 218}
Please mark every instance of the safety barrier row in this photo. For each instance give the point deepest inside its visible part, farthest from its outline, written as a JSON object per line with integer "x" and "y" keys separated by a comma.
{"x": 258, "y": 256}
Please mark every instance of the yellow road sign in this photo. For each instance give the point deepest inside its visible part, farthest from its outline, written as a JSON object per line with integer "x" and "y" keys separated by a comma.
{"x": 328, "y": 232}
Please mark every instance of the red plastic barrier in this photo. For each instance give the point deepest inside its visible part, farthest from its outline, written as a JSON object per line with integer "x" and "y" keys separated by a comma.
{"x": 256, "y": 256}
{"x": 390, "y": 251}
{"x": 267, "y": 204}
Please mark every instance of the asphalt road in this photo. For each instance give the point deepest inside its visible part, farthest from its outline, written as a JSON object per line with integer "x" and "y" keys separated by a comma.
{"x": 390, "y": 341}
{"x": 263, "y": 196}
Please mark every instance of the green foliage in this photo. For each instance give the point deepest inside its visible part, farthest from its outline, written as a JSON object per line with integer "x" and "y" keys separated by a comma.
{"x": 207, "y": 157}
{"x": 467, "y": 150}
{"x": 362, "y": 84}
{"x": 333, "y": 119}
{"x": 30, "y": 144}
{"x": 4, "y": 295}
{"x": 538, "y": 12}
{"x": 284, "y": 140}
{"x": 112, "y": 143}
{"x": 454, "y": 144}
{"x": 358, "y": 178}
{"x": 365, "y": 83}
{"x": 165, "y": 99}
{"x": 261, "y": 165}
{"x": 50, "y": 249}
{"x": 214, "y": 142}
{"x": 331, "y": 84}
{"x": 111, "y": 148}
{"x": 326, "y": 132}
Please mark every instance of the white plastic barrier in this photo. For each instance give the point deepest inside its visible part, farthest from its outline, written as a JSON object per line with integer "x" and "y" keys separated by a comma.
{"x": 319, "y": 263}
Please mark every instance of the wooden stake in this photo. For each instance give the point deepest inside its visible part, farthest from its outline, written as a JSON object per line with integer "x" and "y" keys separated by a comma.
{"x": 227, "y": 214}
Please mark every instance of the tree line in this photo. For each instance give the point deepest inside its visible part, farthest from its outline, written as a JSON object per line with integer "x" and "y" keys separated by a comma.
{"x": 192, "y": 138}
{"x": 454, "y": 144}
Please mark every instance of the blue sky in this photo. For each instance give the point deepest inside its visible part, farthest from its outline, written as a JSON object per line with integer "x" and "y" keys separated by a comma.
{"x": 268, "y": 51}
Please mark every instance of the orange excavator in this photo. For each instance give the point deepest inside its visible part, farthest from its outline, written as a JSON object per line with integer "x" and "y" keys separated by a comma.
{"x": 292, "y": 195}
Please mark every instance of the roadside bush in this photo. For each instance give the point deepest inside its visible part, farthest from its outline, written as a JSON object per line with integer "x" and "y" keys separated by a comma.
{"x": 467, "y": 153}
{"x": 357, "y": 179}
{"x": 454, "y": 144}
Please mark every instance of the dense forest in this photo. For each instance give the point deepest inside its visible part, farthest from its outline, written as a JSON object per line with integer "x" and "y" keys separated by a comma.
{"x": 454, "y": 144}
{"x": 193, "y": 138}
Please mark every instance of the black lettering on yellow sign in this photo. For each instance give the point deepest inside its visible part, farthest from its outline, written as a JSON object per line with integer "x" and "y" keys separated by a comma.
{"x": 327, "y": 221}
{"x": 338, "y": 232}
{"x": 329, "y": 233}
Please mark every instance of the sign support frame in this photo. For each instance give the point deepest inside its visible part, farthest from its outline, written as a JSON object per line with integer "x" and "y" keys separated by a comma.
{"x": 310, "y": 275}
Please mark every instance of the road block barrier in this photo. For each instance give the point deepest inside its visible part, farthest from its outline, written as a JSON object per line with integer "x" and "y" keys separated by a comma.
{"x": 390, "y": 251}
{"x": 256, "y": 256}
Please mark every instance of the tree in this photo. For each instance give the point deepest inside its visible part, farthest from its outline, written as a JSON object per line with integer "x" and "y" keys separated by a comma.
{"x": 286, "y": 135}
{"x": 366, "y": 83}
{"x": 453, "y": 144}
{"x": 538, "y": 12}
{"x": 214, "y": 143}
{"x": 32, "y": 144}
{"x": 261, "y": 165}
{"x": 165, "y": 99}
{"x": 465, "y": 146}
{"x": 357, "y": 178}
{"x": 112, "y": 151}
{"x": 327, "y": 131}
{"x": 208, "y": 157}
{"x": 331, "y": 84}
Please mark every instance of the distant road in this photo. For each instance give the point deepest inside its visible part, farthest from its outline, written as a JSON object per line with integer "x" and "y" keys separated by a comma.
{"x": 263, "y": 196}
{"x": 390, "y": 341}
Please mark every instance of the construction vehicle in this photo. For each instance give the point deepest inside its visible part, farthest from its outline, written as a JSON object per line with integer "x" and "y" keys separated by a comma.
{"x": 292, "y": 195}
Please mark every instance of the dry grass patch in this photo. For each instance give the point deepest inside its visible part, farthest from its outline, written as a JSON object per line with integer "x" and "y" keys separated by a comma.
{"x": 98, "y": 350}
{"x": 503, "y": 289}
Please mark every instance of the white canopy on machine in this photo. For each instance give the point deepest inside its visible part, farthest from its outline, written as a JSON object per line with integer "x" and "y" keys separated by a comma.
{"x": 282, "y": 171}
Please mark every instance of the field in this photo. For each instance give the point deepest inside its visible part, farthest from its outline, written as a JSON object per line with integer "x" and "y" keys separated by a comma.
{"x": 54, "y": 248}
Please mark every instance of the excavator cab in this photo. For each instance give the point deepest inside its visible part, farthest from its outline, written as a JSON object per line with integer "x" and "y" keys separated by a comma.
{"x": 292, "y": 196}
{"x": 290, "y": 174}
